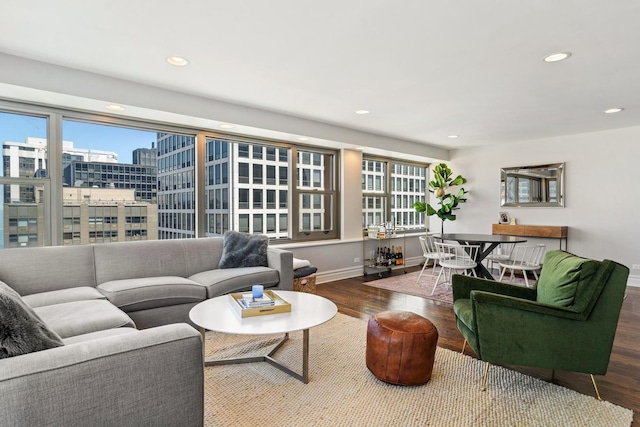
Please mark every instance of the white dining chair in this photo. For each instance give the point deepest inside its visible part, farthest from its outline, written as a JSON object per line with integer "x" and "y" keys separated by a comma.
{"x": 456, "y": 258}
{"x": 430, "y": 253}
{"x": 502, "y": 252}
{"x": 524, "y": 258}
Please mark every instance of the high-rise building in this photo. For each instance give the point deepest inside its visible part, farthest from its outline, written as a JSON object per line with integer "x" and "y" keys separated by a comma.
{"x": 145, "y": 156}
{"x": 104, "y": 215}
{"x": 247, "y": 188}
{"x": 103, "y": 200}
{"x": 23, "y": 160}
{"x": 176, "y": 186}
{"x": 142, "y": 179}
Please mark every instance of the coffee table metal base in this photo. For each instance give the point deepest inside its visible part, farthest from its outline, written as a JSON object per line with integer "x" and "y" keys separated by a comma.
{"x": 304, "y": 377}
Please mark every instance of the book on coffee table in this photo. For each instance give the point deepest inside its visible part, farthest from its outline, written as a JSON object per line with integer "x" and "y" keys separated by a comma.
{"x": 279, "y": 305}
{"x": 249, "y": 301}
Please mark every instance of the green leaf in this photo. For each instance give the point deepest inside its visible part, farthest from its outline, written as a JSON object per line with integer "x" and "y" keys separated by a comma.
{"x": 459, "y": 180}
{"x": 420, "y": 206}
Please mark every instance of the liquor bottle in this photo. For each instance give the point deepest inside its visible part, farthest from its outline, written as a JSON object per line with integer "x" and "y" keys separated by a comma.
{"x": 399, "y": 256}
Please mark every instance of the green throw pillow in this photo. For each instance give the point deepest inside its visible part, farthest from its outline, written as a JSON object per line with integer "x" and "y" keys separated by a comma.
{"x": 560, "y": 277}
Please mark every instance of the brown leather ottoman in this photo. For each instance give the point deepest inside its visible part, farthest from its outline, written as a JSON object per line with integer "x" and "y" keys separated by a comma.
{"x": 401, "y": 347}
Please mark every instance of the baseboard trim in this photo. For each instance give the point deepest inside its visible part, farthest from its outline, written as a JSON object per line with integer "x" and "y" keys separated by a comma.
{"x": 347, "y": 273}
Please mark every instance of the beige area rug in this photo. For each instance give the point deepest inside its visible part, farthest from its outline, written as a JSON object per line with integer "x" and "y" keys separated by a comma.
{"x": 342, "y": 392}
{"x": 409, "y": 284}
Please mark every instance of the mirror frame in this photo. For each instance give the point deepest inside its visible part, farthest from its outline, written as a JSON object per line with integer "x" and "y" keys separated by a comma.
{"x": 540, "y": 172}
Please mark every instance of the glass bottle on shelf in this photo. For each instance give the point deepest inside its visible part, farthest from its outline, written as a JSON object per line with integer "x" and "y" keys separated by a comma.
{"x": 399, "y": 258}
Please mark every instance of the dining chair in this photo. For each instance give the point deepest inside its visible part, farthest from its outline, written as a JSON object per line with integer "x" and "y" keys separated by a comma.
{"x": 524, "y": 258}
{"x": 456, "y": 258}
{"x": 430, "y": 253}
{"x": 502, "y": 252}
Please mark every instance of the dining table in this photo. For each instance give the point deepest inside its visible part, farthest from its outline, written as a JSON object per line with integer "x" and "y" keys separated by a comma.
{"x": 486, "y": 242}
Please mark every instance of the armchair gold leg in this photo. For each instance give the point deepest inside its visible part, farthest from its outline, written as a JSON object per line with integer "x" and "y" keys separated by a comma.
{"x": 484, "y": 378}
{"x": 463, "y": 346}
{"x": 593, "y": 380}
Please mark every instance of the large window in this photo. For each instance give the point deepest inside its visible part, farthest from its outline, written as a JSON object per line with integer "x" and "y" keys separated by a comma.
{"x": 126, "y": 180}
{"x": 126, "y": 183}
{"x": 389, "y": 190}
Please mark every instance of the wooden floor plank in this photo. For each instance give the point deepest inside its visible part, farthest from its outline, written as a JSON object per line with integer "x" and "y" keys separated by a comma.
{"x": 621, "y": 384}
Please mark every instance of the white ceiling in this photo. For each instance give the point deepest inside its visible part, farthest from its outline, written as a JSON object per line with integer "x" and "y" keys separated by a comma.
{"x": 425, "y": 69}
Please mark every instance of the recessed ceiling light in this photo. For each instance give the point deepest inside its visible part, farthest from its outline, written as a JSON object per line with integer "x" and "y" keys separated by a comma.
{"x": 114, "y": 107}
{"x": 360, "y": 148}
{"x": 227, "y": 126}
{"x": 453, "y": 136}
{"x": 362, "y": 111}
{"x": 178, "y": 61}
{"x": 556, "y": 57}
{"x": 613, "y": 110}
{"x": 302, "y": 138}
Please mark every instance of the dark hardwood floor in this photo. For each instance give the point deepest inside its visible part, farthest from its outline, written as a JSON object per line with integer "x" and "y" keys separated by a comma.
{"x": 621, "y": 384}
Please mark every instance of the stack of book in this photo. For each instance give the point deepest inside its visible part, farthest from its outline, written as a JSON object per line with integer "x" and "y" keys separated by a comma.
{"x": 248, "y": 301}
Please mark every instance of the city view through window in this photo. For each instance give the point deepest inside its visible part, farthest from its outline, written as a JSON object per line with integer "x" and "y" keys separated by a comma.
{"x": 122, "y": 184}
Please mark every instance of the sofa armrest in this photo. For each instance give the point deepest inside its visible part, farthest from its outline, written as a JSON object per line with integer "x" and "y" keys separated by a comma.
{"x": 151, "y": 377}
{"x": 282, "y": 260}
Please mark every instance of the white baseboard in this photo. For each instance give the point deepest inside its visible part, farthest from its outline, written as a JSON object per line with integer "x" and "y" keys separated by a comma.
{"x": 347, "y": 273}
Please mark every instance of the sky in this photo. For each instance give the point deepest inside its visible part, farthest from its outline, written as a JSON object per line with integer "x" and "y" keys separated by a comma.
{"x": 16, "y": 128}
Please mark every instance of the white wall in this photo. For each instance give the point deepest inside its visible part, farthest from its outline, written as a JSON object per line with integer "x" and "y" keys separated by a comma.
{"x": 601, "y": 185}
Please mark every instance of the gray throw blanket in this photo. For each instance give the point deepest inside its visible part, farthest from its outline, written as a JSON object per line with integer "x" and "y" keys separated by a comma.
{"x": 21, "y": 330}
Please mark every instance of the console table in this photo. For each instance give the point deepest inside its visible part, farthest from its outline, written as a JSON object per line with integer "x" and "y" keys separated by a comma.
{"x": 559, "y": 232}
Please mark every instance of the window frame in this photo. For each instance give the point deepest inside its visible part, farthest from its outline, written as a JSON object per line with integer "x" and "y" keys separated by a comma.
{"x": 389, "y": 190}
{"x": 54, "y": 231}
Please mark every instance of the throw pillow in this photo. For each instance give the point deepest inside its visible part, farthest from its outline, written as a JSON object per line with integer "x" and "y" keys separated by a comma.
{"x": 561, "y": 273}
{"x": 243, "y": 250}
{"x": 21, "y": 330}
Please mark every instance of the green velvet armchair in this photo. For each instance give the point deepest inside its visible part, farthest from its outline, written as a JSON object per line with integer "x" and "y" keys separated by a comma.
{"x": 567, "y": 322}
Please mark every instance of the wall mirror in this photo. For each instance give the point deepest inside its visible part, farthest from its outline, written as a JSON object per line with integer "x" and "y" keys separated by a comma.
{"x": 532, "y": 186}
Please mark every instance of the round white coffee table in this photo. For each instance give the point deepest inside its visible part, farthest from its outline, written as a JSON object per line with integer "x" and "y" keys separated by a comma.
{"x": 307, "y": 311}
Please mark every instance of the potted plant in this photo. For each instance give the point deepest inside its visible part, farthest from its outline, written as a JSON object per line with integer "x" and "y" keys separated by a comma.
{"x": 449, "y": 202}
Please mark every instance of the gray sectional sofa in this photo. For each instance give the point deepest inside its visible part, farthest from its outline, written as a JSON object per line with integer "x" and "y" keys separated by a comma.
{"x": 121, "y": 309}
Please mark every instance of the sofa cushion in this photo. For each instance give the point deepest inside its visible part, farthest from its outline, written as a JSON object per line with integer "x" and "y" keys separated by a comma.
{"x": 82, "y": 317}
{"x": 130, "y": 260}
{"x": 152, "y": 292}
{"x": 99, "y": 335}
{"x": 244, "y": 250}
{"x": 560, "y": 277}
{"x": 41, "y": 269}
{"x": 202, "y": 254}
{"x": 464, "y": 311}
{"x": 81, "y": 293}
{"x": 222, "y": 281}
{"x": 21, "y": 330}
